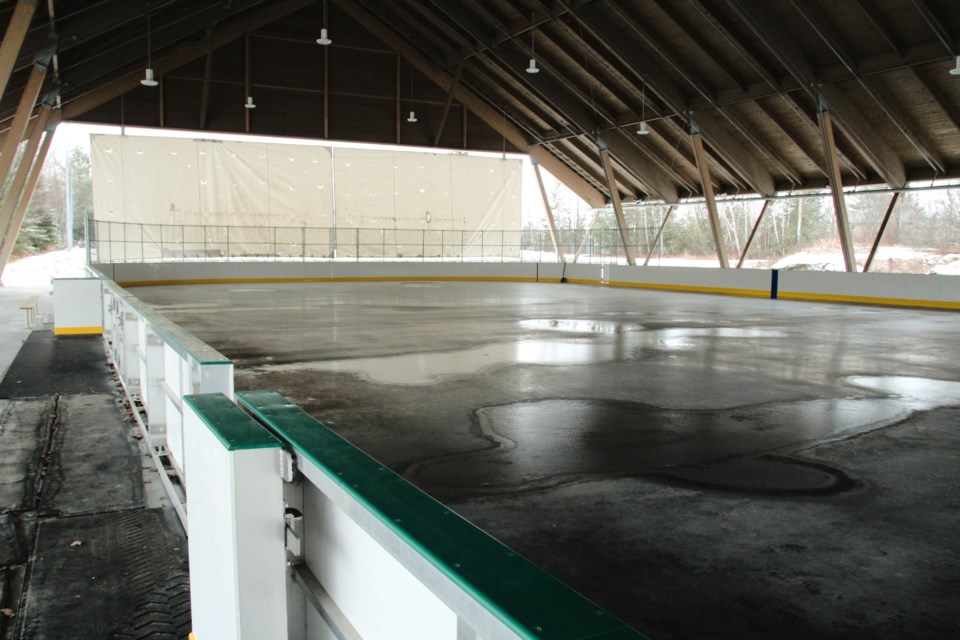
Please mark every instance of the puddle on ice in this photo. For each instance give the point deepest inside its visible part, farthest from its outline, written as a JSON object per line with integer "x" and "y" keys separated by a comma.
{"x": 580, "y": 326}
{"x": 427, "y": 368}
{"x": 925, "y": 393}
{"x": 610, "y": 345}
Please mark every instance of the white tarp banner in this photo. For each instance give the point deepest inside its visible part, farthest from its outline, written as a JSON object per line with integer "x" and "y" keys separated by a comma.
{"x": 213, "y": 198}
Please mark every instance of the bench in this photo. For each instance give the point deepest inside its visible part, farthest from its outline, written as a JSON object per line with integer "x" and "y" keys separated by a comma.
{"x": 29, "y": 307}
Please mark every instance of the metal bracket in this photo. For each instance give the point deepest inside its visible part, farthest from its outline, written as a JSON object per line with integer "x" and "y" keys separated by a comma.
{"x": 288, "y": 466}
{"x": 293, "y": 535}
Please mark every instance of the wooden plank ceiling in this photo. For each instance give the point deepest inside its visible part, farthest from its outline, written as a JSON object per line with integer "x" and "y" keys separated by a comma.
{"x": 749, "y": 75}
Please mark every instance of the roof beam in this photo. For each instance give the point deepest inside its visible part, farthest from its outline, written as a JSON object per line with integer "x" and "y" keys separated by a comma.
{"x": 13, "y": 39}
{"x": 785, "y": 49}
{"x": 77, "y": 106}
{"x": 28, "y": 98}
{"x": 473, "y": 102}
{"x": 20, "y": 176}
{"x": 617, "y": 205}
{"x": 834, "y": 42}
{"x": 935, "y": 24}
{"x": 948, "y": 106}
{"x": 873, "y": 17}
{"x": 836, "y": 188}
{"x": 6, "y": 249}
{"x": 709, "y": 196}
{"x": 608, "y": 30}
{"x": 554, "y": 235}
{"x": 571, "y": 103}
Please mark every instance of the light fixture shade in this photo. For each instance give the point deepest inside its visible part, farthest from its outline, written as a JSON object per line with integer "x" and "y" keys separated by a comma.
{"x": 644, "y": 129}
{"x": 148, "y": 79}
{"x": 413, "y": 117}
{"x": 249, "y": 103}
{"x": 533, "y": 66}
{"x": 324, "y": 38}
{"x": 956, "y": 70}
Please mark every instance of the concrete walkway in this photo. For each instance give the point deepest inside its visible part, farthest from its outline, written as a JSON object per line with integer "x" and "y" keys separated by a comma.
{"x": 87, "y": 549}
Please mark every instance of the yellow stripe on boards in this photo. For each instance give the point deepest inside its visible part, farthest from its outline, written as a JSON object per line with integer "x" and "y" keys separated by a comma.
{"x": 886, "y": 302}
{"x": 157, "y": 283}
{"x": 748, "y": 293}
{"x": 77, "y": 331}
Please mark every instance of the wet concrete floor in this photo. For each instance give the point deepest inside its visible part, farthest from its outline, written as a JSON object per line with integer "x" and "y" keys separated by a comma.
{"x": 703, "y": 466}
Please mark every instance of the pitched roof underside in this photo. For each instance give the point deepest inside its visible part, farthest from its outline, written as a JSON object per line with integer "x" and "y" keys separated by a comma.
{"x": 746, "y": 74}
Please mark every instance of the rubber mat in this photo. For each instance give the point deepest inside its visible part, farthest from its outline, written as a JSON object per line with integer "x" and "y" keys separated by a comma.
{"x": 24, "y": 428}
{"x": 81, "y": 476}
{"x": 113, "y": 575}
{"x": 47, "y": 364}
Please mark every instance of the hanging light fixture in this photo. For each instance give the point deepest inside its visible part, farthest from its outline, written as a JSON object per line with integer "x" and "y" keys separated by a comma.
{"x": 644, "y": 129}
{"x": 533, "y": 51}
{"x": 148, "y": 79}
{"x": 249, "y": 103}
{"x": 324, "y": 38}
{"x": 956, "y": 70}
{"x": 413, "y": 116}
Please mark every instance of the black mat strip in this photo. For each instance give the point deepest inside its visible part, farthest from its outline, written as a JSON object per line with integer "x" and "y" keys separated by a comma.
{"x": 47, "y": 364}
{"x": 94, "y": 462}
{"x": 127, "y": 578}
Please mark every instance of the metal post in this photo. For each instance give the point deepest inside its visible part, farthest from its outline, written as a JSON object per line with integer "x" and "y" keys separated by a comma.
{"x": 303, "y": 244}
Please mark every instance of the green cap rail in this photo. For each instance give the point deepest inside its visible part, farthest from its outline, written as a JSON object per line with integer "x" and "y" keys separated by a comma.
{"x": 525, "y": 598}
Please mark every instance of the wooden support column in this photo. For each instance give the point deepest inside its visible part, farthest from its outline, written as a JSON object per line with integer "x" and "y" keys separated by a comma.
{"x": 883, "y": 227}
{"x": 615, "y": 201}
{"x": 753, "y": 232}
{"x": 13, "y": 39}
{"x": 7, "y": 247}
{"x": 708, "y": 195}
{"x": 554, "y": 235}
{"x": 446, "y": 106}
{"x": 21, "y": 119}
{"x": 586, "y": 236}
{"x": 23, "y": 171}
{"x": 836, "y": 186}
{"x": 659, "y": 233}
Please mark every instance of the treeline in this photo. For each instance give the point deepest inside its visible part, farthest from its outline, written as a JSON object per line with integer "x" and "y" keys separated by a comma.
{"x": 928, "y": 220}
{"x": 44, "y": 225}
